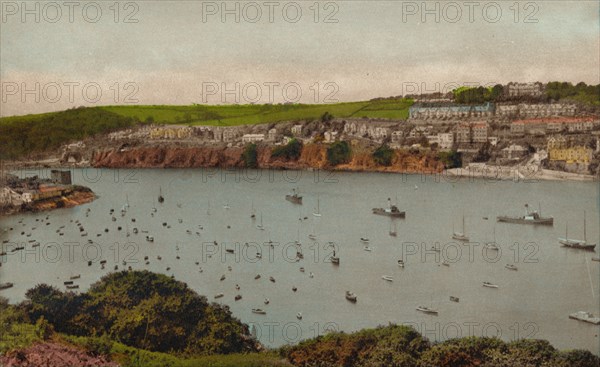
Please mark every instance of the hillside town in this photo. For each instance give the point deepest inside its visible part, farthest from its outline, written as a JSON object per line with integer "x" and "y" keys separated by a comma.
{"x": 519, "y": 128}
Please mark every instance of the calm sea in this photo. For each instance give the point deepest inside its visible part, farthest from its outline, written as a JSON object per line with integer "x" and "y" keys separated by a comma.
{"x": 204, "y": 206}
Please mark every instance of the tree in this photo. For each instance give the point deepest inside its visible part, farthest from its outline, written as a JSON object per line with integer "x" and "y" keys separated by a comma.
{"x": 250, "y": 156}
{"x": 383, "y": 155}
{"x": 338, "y": 153}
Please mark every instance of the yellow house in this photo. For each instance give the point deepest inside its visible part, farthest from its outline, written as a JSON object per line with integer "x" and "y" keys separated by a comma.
{"x": 571, "y": 155}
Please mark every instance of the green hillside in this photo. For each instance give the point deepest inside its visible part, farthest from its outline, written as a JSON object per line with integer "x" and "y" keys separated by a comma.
{"x": 231, "y": 115}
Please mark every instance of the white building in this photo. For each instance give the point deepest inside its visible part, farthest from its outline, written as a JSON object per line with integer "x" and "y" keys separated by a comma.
{"x": 445, "y": 140}
{"x": 525, "y": 89}
{"x": 330, "y": 136}
{"x": 397, "y": 136}
{"x": 253, "y": 138}
{"x": 297, "y": 130}
{"x": 272, "y": 135}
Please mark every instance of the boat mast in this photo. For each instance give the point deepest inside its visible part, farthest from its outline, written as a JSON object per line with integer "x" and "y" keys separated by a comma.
{"x": 584, "y": 234}
{"x": 464, "y": 233}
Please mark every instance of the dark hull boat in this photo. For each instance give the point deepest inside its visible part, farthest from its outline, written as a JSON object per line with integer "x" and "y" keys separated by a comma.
{"x": 533, "y": 217}
{"x": 390, "y": 211}
{"x": 294, "y": 199}
{"x": 577, "y": 244}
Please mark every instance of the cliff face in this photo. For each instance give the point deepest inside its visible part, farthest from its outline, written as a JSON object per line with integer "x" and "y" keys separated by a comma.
{"x": 312, "y": 156}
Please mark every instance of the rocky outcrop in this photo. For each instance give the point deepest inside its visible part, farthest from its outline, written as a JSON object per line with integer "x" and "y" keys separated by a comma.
{"x": 53, "y": 354}
{"x": 314, "y": 156}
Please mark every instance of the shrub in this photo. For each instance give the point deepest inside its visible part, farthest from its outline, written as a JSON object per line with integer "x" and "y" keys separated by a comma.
{"x": 383, "y": 155}
{"x": 250, "y": 156}
{"x": 291, "y": 151}
{"x": 338, "y": 153}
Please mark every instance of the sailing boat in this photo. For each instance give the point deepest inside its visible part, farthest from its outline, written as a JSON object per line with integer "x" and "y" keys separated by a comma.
{"x": 260, "y": 226}
{"x": 208, "y": 209}
{"x": 161, "y": 199}
{"x": 461, "y": 236}
{"x": 312, "y": 235}
{"x": 492, "y": 245}
{"x": 579, "y": 244}
{"x": 393, "y": 231}
{"x": 317, "y": 213}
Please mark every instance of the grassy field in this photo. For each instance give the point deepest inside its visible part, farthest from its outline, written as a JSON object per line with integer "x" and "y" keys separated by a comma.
{"x": 231, "y": 115}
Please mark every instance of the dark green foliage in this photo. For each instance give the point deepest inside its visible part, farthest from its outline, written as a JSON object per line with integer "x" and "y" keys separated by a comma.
{"x": 144, "y": 310}
{"x": 23, "y": 135}
{"x": 250, "y": 156}
{"x": 98, "y": 346}
{"x": 581, "y": 92}
{"x": 326, "y": 117}
{"x": 383, "y": 155}
{"x": 478, "y": 94}
{"x": 291, "y": 151}
{"x": 451, "y": 159}
{"x": 402, "y": 346}
{"x": 338, "y": 153}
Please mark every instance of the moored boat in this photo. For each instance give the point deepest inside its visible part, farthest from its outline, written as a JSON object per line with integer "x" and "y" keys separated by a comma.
{"x": 294, "y": 197}
{"x": 490, "y": 285}
{"x": 387, "y": 278}
{"x": 427, "y": 310}
{"x": 259, "y": 311}
{"x": 577, "y": 244}
{"x": 5, "y": 285}
{"x": 585, "y": 317}
{"x": 530, "y": 217}
{"x": 454, "y": 299}
{"x": 390, "y": 211}
{"x": 351, "y": 297}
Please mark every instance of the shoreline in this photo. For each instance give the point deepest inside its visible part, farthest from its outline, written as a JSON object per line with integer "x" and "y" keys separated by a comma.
{"x": 80, "y": 196}
{"x": 476, "y": 170}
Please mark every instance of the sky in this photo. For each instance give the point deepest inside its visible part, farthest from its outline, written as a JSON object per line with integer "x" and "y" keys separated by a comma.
{"x": 56, "y": 55}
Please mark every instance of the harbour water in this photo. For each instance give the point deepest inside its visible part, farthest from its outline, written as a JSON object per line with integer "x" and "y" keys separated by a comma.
{"x": 203, "y": 206}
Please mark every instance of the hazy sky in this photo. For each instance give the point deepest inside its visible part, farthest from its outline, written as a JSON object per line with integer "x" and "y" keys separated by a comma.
{"x": 182, "y": 52}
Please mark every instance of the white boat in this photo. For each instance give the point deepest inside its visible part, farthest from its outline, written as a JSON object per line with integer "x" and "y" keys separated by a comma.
{"x": 585, "y": 317}
{"x": 492, "y": 245}
{"x": 317, "y": 212}
{"x": 259, "y": 311}
{"x": 150, "y": 238}
{"x": 461, "y": 236}
{"x": 510, "y": 267}
{"x": 387, "y": 278}
{"x": 490, "y": 285}
{"x": 267, "y": 301}
{"x": 445, "y": 263}
{"x": 367, "y": 248}
{"x": 260, "y": 225}
{"x": 299, "y": 315}
{"x": 312, "y": 236}
{"x": 427, "y": 310}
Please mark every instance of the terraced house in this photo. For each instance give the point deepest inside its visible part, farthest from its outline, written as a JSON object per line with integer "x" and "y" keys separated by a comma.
{"x": 451, "y": 111}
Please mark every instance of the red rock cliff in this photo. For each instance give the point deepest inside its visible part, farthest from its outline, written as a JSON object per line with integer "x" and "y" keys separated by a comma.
{"x": 313, "y": 156}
